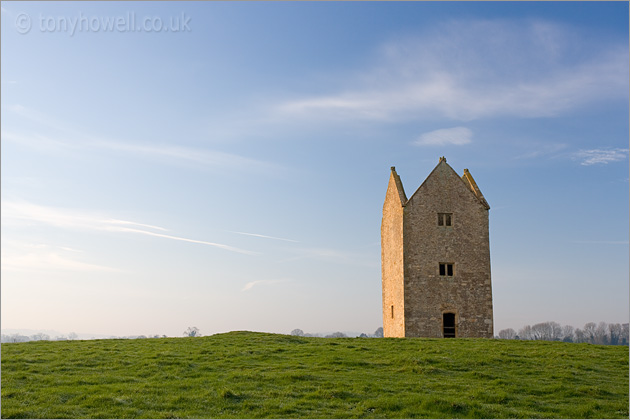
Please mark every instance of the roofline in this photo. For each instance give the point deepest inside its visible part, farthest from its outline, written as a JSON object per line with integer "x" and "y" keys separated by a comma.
{"x": 473, "y": 186}
{"x": 473, "y": 189}
{"x": 399, "y": 187}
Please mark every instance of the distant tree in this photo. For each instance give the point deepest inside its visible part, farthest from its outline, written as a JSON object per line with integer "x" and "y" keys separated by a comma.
{"x": 298, "y": 332}
{"x": 543, "y": 331}
{"x": 556, "y": 331}
{"x": 192, "y": 332}
{"x": 623, "y": 338}
{"x": 601, "y": 334}
{"x": 525, "y": 333}
{"x": 17, "y": 338}
{"x": 72, "y": 336}
{"x": 614, "y": 333}
{"x": 379, "y": 332}
{"x": 567, "y": 334}
{"x": 40, "y": 337}
{"x": 589, "y": 332}
{"x": 507, "y": 334}
{"x": 579, "y": 335}
{"x": 336, "y": 335}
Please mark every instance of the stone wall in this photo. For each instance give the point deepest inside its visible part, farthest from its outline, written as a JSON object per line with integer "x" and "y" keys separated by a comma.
{"x": 426, "y": 294}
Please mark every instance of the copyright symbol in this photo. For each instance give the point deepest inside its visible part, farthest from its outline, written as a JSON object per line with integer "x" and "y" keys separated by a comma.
{"x": 23, "y": 23}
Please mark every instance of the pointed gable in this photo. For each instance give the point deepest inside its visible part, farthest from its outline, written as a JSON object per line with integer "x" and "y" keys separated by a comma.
{"x": 470, "y": 182}
{"x": 396, "y": 184}
{"x": 444, "y": 171}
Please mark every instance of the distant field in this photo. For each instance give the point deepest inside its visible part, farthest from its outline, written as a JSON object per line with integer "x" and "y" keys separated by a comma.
{"x": 251, "y": 375}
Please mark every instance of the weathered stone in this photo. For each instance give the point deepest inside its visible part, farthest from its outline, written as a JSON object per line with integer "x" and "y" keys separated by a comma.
{"x": 445, "y": 222}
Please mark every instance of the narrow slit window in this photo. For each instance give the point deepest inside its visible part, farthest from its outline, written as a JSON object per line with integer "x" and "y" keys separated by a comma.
{"x": 446, "y": 269}
{"x": 445, "y": 219}
{"x": 392, "y": 311}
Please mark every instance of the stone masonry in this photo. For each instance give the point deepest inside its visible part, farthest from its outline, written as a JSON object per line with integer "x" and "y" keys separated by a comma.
{"x": 435, "y": 253}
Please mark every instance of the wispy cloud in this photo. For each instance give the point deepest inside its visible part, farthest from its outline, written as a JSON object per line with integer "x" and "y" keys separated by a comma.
{"x": 445, "y": 136}
{"x": 539, "y": 150}
{"x": 602, "y": 242}
{"x": 467, "y": 70}
{"x": 59, "y": 135}
{"x": 16, "y": 212}
{"x": 251, "y": 284}
{"x": 204, "y": 157}
{"x": 17, "y": 256}
{"x": 263, "y": 236}
{"x": 47, "y": 261}
{"x": 332, "y": 255}
{"x": 600, "y": 156}
{"x": 195, "y": 241}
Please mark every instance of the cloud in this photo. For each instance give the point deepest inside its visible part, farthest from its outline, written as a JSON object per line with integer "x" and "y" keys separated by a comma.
{"x": 445, "y": 136}
{"x": 204, "y": 157}
{"x": 68, "y": 138}
{"x": 602, "y": 242}
{"x": 47, "y": 261}
{"x": 333, "y": 256}
{"x": 195, "y": 241}
{"x": 263, "y": 236}
{"x": 541, "y": 150}
{"x": 21, "y": 212}
{"x": 19, "y": 256}
{"x": 468, "y": 70}
{"x": 251, "y": 284}
{"x": 600, "y": 156}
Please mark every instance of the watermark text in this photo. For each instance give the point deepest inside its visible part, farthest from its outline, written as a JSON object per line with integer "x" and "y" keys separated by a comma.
{"x": 128, "y": 22}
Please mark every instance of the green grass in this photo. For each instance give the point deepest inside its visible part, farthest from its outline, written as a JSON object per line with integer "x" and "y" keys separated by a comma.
{"x": 252, "y": 375}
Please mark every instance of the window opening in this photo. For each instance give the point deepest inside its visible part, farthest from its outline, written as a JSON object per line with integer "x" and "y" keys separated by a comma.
{"x": 445, "y": 219}
{"x": 446, "y": 269}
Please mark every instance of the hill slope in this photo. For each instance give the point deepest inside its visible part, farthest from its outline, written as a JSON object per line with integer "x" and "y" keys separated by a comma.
{"x": 246, "y": 375}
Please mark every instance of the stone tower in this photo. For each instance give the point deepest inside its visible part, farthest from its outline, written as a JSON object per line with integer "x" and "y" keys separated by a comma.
{"x": 435, "y": 255}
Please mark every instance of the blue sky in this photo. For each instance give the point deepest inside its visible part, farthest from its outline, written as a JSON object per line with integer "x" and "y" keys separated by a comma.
{"x": 230, "y": 173}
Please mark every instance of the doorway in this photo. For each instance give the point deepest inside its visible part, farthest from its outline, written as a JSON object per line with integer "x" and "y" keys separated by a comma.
{"x": 448, "y": 324}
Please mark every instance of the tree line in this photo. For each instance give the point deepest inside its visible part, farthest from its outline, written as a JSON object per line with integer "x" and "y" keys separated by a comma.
{"x": 299, "y": 333}
{"x": 602, "y": 333}
{"x": 19, "y": 338}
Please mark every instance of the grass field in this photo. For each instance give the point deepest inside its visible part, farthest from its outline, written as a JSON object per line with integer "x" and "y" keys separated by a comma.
{"x": 251, "y": 375}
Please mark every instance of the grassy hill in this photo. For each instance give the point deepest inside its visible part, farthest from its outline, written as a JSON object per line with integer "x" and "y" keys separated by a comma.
{"x": 247, "y": 375}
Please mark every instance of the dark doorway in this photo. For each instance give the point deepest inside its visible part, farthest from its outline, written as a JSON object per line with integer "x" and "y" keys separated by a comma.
{"x": 448, "y": 322}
